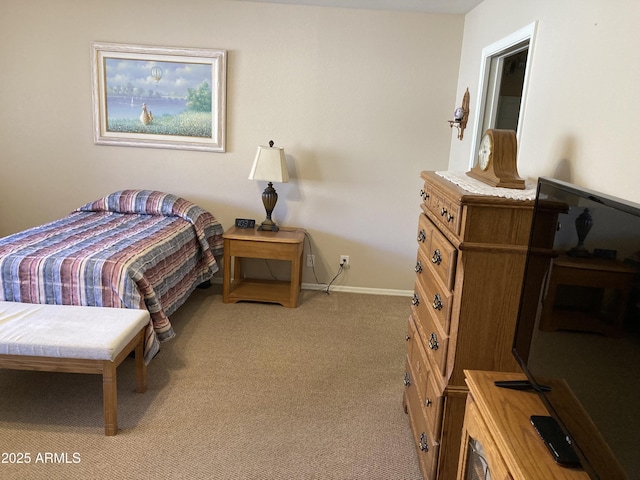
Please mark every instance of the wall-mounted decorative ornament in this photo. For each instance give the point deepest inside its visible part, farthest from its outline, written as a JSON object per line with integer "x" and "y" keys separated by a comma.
{"x": 460, "y": 116}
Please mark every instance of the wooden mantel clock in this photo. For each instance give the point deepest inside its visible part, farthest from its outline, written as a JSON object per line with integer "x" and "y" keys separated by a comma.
{"x": 496, "y": 163}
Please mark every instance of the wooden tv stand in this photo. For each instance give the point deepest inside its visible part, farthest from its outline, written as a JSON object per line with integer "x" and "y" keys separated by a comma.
{"x": 499, "y": 420}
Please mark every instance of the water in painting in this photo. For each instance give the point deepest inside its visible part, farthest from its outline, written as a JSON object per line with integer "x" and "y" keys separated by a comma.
{"x": 155, "y": 97}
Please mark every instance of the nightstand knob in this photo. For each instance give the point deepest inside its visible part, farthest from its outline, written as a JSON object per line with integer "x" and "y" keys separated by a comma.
{"x": 422, "y": 236}
{"x": 437, "y": 302}
{"x": 407, "y": 338}
{"x": 407, "y": 379}
{"x": 423, "y": 442}
{"x": 449, "y": 217}
{"x": 418, "y": 268}
{"x": 415, "y": 300}
{"x": 443, "y": 212}
{"x": 437, "y": 257}
{"x": 428, "y": 402}
{"x": 424, "y": 194}
{"x": 433, "y": 341}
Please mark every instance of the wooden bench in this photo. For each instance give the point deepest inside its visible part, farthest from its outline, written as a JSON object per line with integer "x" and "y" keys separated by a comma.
{"x": 60, "y": 338}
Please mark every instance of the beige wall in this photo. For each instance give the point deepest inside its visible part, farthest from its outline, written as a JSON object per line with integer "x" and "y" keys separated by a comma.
{"x": 359, "y": 100}
{"x": 580, "y": 122}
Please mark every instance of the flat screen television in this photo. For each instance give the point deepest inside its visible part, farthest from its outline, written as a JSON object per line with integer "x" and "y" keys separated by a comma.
{"x": 578, "y": 331}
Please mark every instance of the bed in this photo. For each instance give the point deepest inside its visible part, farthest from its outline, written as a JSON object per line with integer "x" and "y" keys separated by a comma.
{"x": 130, "y": 249}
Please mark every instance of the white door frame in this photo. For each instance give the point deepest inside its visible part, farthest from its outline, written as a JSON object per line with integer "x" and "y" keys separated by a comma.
{"x": 488, "y": 87}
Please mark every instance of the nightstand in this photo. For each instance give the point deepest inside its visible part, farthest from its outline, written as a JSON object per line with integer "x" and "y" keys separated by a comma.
{"x": 586, "y": 281}
{"x": 285, "y": 244}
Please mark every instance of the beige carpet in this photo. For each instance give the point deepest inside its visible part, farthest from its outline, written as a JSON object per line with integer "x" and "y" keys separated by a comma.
{"x": 244, "y": 391}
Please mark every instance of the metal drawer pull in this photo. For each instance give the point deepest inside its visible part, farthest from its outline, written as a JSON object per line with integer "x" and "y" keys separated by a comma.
{"x": 437, "y": 302}
{"x": 422, "y": 236}
{"x": 423, "y": 443}
{"x": 443, "y": 212}
{"x": 437, "y": 257}
{"x": 415, "y": 300}
{"x": 424, "y": 194}
{"x": 418, "y": 268}
{"x": 449, "y": 217}
{"x": 407, "y": 379}
{"x": 433, "y": 341}
{"x": 428, "y": 402}
{"x": 407, "y": 338}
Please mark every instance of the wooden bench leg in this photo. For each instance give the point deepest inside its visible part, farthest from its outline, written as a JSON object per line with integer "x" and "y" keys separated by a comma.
{"x": 110, "y": 397}
{"x": 141, "y": 367}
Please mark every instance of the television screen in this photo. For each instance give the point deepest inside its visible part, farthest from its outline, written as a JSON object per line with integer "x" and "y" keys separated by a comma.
{"x": 578, "y": 329}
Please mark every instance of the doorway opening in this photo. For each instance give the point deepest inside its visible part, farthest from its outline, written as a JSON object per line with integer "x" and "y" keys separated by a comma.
{"x": 503, "y": 85}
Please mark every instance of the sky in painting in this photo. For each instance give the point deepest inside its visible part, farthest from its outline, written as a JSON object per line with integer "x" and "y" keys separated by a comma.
{"x": 174, "y": 80}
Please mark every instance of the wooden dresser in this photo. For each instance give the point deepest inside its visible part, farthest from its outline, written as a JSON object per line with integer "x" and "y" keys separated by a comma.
{"x": 469, "y": 270}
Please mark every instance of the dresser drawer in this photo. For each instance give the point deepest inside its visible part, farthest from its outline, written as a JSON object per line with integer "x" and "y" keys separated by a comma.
{"x": 431, "y": 298}
{"x": 412, "y": 336}
{"x": 439, "y": 253}
{"x": 425, "y": 230}
{"x": 443, "y": 208}
{"x": 426, "y": 446}
{"x": 418, "y": 361}
{"x": 435, "y": 341}
{"x": 429, "y": 392}
{"x": 425, "y": 194}
{"x": 432, "y": 404}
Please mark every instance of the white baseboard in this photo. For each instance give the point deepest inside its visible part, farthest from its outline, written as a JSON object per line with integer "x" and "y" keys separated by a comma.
{"x": 364, "y": 290}
{"x": 340, "y": 288}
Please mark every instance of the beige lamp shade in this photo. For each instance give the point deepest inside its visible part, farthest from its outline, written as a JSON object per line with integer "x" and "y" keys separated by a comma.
{"x": 270, "y": 165}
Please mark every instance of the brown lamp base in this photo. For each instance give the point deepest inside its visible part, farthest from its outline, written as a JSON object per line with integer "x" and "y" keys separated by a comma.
{"x": 268, "y": 225}
{"x": 269, "y": 199}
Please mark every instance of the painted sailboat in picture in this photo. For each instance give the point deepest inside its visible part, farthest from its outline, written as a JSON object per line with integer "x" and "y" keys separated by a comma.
{"x": 172, "y": 98}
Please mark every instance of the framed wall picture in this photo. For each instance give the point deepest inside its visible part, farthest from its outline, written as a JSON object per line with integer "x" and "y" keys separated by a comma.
{"x": 159, "y": 97}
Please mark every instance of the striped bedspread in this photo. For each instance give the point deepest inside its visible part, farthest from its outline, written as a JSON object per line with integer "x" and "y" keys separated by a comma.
{"x": 130, "y": 249}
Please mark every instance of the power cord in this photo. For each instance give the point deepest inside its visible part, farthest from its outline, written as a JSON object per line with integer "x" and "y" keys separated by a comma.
{"x": 266, "y": 262}
{"x": 340, "y": 270}
{"x": 313, "y": 267}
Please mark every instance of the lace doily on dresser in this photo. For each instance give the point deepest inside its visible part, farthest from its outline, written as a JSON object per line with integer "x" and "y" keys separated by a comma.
{"x": 476, "y": 186}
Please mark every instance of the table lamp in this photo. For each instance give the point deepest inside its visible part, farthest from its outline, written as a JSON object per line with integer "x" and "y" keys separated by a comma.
{"x": 269, "y": 165}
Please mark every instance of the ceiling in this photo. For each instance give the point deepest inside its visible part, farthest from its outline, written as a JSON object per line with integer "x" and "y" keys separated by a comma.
{"x": 424, "y": 6}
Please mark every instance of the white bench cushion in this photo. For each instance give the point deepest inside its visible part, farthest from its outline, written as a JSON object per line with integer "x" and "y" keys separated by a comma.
{"x": 61, "y": 331}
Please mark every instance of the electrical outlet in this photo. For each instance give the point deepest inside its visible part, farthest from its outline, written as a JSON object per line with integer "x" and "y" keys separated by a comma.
{"x": 311, "y": 260}
{"x": 344, "y": 261}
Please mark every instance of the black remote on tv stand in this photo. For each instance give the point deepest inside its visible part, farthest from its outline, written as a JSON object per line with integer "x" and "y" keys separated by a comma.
{"x": 555, "y": 440}
{"x": 521, "y": 385}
